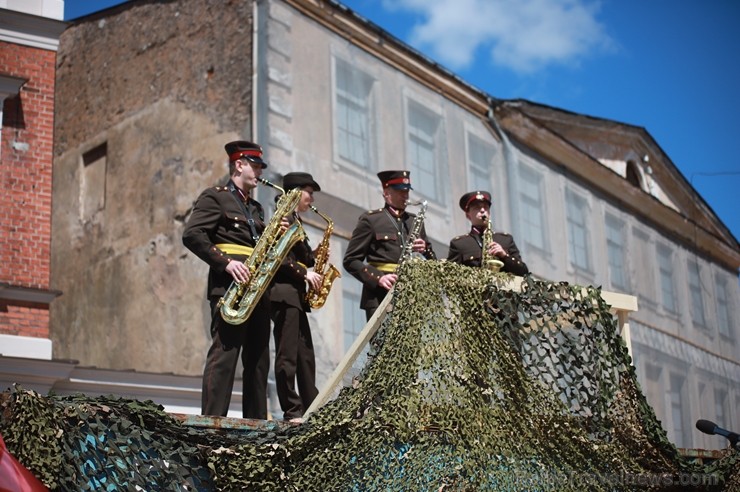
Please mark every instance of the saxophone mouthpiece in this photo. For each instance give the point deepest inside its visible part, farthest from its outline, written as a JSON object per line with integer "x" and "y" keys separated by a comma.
{"x": 270, "y": 184}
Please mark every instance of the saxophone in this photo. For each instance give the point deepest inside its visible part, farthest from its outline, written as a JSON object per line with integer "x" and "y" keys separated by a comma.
{"x": 408, "y": 252}
{"x": 488, "y": 260}
{"x": 316, "y": 299}
{"x": 241, "y": 298}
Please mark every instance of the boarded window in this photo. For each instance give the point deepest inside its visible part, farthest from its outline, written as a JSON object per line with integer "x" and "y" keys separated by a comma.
{"x": 92, "y": 182}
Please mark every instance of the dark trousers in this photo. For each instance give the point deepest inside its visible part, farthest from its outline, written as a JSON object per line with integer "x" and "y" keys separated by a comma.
{"x": 371, "y": 299}
{"x": 252, "y": 339}
{"x": 294, "y": 360}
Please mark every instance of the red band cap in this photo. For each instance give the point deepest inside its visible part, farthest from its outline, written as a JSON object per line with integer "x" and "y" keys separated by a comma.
{"x": 396, "y": 181}
{"x": 242, "y": 153}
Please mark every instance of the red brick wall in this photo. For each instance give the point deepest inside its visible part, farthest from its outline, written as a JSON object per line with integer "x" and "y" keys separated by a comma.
{"x": 25, "y": 181}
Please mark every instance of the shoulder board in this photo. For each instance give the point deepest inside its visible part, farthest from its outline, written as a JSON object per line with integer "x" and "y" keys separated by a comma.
{"x": 370, "y": 212}
{"x": 221, "y": 188}
{"x": 458, "y": 237}
{"x": 503, "y": 233}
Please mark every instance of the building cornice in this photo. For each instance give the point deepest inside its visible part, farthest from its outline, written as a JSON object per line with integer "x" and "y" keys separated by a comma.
{"x": 537, "y": 137}
{"x": 378, "y": 42}
{"x": 30, "y": 30}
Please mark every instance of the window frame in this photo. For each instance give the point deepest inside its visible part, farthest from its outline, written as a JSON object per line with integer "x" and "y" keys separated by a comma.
{"x": 620, "y": 230}
{"x": 701, "y": 323}
{"x": 413, "y": 133}
{"x": 581, "y": 223}
{"x": 724, "y": 329}
{"x": 536, "y": 204}
{"x": 370, "y": 144}
{"x": 662, "y": 251}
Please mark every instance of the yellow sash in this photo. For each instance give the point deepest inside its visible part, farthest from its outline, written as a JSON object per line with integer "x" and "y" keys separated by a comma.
{"x": 385, "y": 267}
{"x": 235, "y": 249}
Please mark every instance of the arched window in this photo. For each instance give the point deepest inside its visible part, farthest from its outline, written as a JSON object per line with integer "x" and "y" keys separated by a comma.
{"x": 633, "y": 174}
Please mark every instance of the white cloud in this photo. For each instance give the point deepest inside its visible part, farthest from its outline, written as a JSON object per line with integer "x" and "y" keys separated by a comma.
{"x": 522, "y": 35}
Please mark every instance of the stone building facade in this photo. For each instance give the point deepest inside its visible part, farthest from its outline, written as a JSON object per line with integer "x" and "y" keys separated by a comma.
{"x": 148, "y": 93}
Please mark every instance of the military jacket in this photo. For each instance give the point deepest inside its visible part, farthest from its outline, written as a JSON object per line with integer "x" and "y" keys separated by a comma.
{"x": 220, "y": 217}
{"x": 290, "y": 280}
{"x": 468, "y": 249}
{"x": 375, "y": 249}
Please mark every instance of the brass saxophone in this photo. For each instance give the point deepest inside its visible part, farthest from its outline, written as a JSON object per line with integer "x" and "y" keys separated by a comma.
{"x": 329, "y": 272}
{"x": 488, "y": 260}
{"x": 242, "y": 297}
{"x": 408, "y": 252}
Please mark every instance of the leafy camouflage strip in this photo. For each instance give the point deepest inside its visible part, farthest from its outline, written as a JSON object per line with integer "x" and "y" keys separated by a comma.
{"x": 468, "y": 387}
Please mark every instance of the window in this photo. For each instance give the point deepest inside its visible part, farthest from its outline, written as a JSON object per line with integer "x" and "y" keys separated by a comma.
{"x": 721, "y": 410}
{"x": 423, "y": 132}
{"x": 665, "y": 271}
{"x": 92, "y": 184}
{"x": 530, "y": 200}
{"x": 653, "y": 384}
{"x": 676, "y": 399}
{"x": 353, "y": 115}
{"x": 578, "y": 240}
{"x": 695, "y": 291}
{"x": 480, "y": 163}
{"x": 616, "y": 251}
{"x": 633, "y": 174}
{"x": 723, "y": 309}
{"x": 353, "y": 318}
{"x": 644, "y": 267}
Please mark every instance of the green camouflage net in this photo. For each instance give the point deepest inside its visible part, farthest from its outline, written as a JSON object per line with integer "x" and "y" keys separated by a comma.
{"x": 466, "y": 386}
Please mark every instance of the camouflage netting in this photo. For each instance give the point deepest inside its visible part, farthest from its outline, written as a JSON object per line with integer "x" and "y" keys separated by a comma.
{"x": 467, "y": 386}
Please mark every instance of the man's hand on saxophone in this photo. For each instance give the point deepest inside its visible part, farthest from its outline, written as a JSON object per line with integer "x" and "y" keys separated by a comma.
{"x": 284, "y": 224}
{"x": 314, "y": 280}
{"x": 419, "y": 246}
{"x": 495, "y": 249}
{"x": 238, "y": 271}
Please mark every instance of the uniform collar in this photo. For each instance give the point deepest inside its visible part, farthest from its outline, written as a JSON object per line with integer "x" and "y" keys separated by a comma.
{"x": 238, "y": 191}
{"x": 395, "y": 213}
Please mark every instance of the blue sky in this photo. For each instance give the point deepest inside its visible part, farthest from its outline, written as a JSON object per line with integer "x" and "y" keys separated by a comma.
{"x": 669, "y": 66}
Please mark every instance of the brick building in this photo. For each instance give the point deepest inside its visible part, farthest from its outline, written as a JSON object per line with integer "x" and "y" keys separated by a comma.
{"x": 28, "y": 46}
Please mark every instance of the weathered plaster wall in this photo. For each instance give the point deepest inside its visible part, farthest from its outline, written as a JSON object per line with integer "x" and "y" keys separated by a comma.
{"x": 147, "y": 96}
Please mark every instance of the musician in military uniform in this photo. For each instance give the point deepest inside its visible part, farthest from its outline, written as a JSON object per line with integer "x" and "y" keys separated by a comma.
{"x": 294, "y": 353}
{"x": 468, "y": 248}
{"x": 222, "y": 230}
{"x": 379, "y": 238}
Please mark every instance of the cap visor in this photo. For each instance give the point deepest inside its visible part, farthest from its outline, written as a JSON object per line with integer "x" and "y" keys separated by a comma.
{"x": 256, "y": 160}
{"x": 401, "y": 187}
